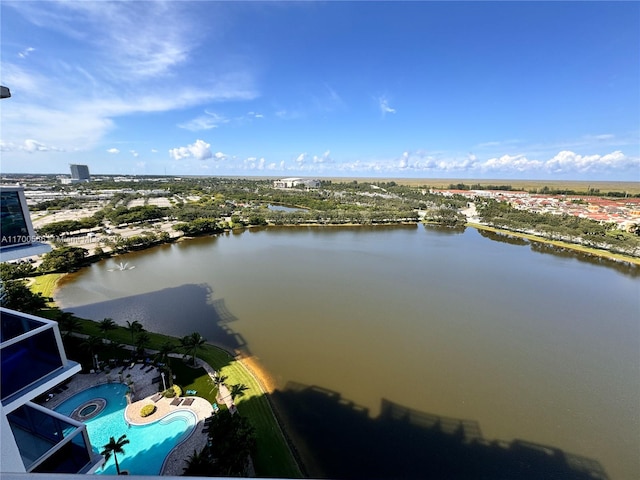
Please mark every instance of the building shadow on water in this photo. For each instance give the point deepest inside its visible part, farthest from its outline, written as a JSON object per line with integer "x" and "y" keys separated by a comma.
{"x": 338, "y": 439}
{"x": 176, "y": 311}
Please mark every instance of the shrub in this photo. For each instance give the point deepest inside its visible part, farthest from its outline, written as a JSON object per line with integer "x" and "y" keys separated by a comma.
{"x": 147, "y": 410}
{"x": 173, "y": 391}
{"x": 169, "y": 393}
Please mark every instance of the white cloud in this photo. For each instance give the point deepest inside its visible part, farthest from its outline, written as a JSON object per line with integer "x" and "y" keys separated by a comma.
{"x": 404, "y": 161}
{"x": 200, "y": 150}
{"x": 113, "y": 150}
{"x": 25, "y": 53}
{"x": 567, "y": 161}
{"x": 324, "y": 158}
{"x": 29, "y": 146}
{"x": 134, "y": 153}
{"x": 220, "y": 156}
{"x": 385, "y": 108}
{"x": 153, "y": 150}
{"x": 518, "y": 163}
{"x": 301, "y": 158}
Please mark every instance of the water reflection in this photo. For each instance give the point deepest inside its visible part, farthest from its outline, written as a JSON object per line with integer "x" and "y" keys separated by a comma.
{"x": 337, "y": 438}
{"x": 548, "y": 249}
{"x": 445, "y": 229}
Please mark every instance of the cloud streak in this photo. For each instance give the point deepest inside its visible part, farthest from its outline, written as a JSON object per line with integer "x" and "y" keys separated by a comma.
{"x": 127, "y": 58}
{"x": 383, "y": 104}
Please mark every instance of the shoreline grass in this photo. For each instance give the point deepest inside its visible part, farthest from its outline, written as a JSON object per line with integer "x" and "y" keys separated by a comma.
{"x": 45, "y": 285}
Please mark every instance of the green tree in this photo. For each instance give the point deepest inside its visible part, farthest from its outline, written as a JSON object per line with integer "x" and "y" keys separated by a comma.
{"x": 106, "y": 325}
{"x": 134, "y": 328}
{"x": 17, "y": 296}
{"x": 217, "y": 381}
{"x": 164, "y": 351}
{"x": 92, "y": 345}
{"x": 13, "y": 271}
{"x": 191, "y": 344}
{"x": 231, "y": 444}
{"x": 63, "y": 259}
{"x": 114, "y": 447}
{"x": 142, "y": 340}
{"x": 238, "y": 390}
{"x": 198, "y": 464}
{"x": 69, "y": 324}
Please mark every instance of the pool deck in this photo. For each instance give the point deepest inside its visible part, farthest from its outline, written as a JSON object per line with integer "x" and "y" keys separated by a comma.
{"x": 144, "y": 388}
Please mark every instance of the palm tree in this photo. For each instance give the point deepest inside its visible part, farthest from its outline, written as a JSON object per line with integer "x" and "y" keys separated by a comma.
{"x": 69, "y": 324}
{"x": 191, "y": 344}
{"x": 142, "y": 340}
{"x": 134, "y": 327}
{"x": 218, "y": 380}
{"x": 114, "y": 447}
{"x": 198, "y": 464}
{"x": 92, "y": 345}
{"x": 107, "y": 325}
{"x": 165, "y": 349}
{"x": 238, "y": 390}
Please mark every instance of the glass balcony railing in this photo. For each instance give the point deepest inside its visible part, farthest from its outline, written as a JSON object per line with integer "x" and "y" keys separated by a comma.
{"x": 14, "y": 325}
{"x": 48, "y": 442}
{"x": 28, "y": 360}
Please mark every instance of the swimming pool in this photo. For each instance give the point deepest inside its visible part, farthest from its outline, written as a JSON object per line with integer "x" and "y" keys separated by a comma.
{"x": 148, "y": 444}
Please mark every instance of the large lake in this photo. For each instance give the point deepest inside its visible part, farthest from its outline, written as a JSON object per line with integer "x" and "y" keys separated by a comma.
{"x": 524, "y": 343}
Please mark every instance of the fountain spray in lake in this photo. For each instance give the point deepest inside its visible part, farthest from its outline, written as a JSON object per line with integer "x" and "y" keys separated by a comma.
{"x": 122, "y": 267}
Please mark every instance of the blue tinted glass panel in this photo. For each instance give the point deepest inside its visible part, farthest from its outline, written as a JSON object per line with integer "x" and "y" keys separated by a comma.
{"x": 14, "y": 227}
{"x": 28, "y": 361}
{"x": 15, "y": 325}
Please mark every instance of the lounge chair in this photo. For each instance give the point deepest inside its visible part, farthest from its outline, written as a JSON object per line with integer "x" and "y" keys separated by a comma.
{"x": 176, "y": 401}
{"x": 188, "y": 401}
{"x": 156, "y": 397}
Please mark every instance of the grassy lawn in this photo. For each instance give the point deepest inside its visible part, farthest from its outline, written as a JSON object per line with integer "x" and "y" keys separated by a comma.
{"x": 45, "y": 284}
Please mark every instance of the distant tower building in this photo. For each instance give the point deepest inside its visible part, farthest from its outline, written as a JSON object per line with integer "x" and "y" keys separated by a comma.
{"x": 80, "y": 173}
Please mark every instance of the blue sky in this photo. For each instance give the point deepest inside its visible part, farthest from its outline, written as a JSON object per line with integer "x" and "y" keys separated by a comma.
{"x": 494, "y": 90}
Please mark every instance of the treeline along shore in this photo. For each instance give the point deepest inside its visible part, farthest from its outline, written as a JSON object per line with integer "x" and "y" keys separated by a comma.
{"x": 106, "y": 217}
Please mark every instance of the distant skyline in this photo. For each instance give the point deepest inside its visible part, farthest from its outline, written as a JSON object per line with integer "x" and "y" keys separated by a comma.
{"x": 486, "y": 90}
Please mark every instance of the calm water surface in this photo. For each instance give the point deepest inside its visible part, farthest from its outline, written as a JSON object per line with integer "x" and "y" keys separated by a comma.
{"x": 530, "y": 345}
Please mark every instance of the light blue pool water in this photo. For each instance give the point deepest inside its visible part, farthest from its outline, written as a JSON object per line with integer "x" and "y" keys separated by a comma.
{"x": 148, "y": 444}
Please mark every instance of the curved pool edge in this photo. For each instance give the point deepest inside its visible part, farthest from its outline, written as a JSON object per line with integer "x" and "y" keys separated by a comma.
{"x": 191, "y": 433}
